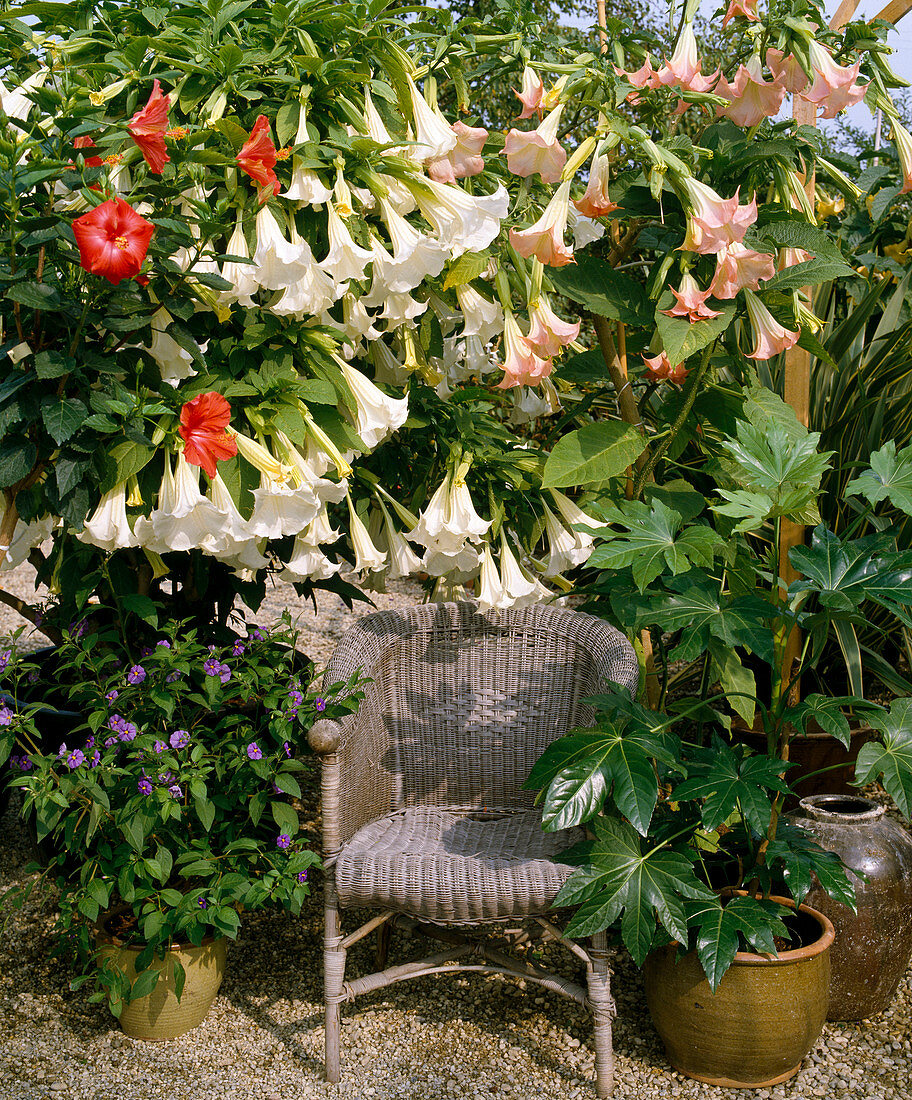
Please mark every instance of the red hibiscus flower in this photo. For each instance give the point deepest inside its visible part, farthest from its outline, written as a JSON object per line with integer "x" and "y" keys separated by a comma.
{"x": 85, "y": 142}
{"x": 147, "y": 128}
{"x": 202, "y": 427}
{"x": 257, "y": 157}
{"x": 113, "y": 240}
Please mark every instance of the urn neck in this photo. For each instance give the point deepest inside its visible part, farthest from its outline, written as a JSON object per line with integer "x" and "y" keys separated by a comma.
{"x": 841, "y": 809}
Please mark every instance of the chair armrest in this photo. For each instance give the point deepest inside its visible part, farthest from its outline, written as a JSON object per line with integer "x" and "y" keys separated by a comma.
{"x": 325, "y": 736}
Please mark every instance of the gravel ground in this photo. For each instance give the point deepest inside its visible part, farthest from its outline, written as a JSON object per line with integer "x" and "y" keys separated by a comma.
{"x": 469, "y": 1037}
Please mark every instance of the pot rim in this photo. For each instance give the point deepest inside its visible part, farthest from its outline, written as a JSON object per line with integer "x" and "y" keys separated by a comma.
{"x": 817, "y": 808}
{"x": 797, "y": 954}
{"x": 104, "y": 937}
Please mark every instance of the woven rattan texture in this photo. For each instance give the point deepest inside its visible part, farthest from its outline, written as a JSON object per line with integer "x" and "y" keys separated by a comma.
{"x": 450, "y": 868}
{"x": 462, "y": 704}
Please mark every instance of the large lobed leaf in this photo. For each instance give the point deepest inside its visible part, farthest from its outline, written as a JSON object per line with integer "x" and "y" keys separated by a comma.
{"x": 888, "y": 478}
{"x": 654, "y": 542}
{"x": 635, "y": 880}
{"x": 721, "y": 924}
{"x": 891, "y": 761}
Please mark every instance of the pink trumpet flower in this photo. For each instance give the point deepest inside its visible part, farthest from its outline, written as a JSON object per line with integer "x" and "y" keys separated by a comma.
{"x": 538, "y": 150}
{"x": 684, "y": 64}
{"x": 786, "y": 71}
{"x": 835, "y": 86}
{"x": 545, "y": 238}
{"x": 714, "y": 222}
{"x": 663, "y": 370}
{"x": 644, "y": 77}
{"x": 596, "y": 203}
{"x": 788, "y": 257}
{"x": 533, "y": 91}
{"x": 691, "y": 301}
{"x": 769, "y": 336}
{"x": 521, "y": 366}
{"x": 464, "y": 159}
{"x": 752, "y": 98}
{"x": 738, "y": 268}
{"x": 548, "y": 334}
{"x": 747, "y": 9}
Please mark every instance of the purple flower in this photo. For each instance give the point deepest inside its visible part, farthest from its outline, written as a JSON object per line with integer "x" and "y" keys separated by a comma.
{"x": 179, "y": 739}
{"x": 164, "y": 643}
{"x": 146, "y": 651}
{"x": 276, "y": 789}
{"x": 258, "y": 634}
{"x": 201, "y": 901}
{"x": 296, "y": 697}
{"x": 254, "y": 751}
{"x": 287, "y": 748}
{"x": 136, "y": 675}
{"x": 175, "y": 791}
{"x": 96, "y": 759}
{"x": 283, "y": 841}
{"x": 6, "y": 716}
{"x": 291, "y": 714}
{"x": 129, "y": 731}
{"x": 33, "y": 677}
{"x": 165, "y": 778}
{"x": 171, "y": 677}
{"x": 144, "y": 786}
{"x": 302, "y": 876}
{"x": 110, "y": 741}
{"x": 25, "y": 763}
{"x": 238, "y": 648}
{"x": 90, "y": 743}
{"x": 63, "y": 750}
{"x": 224, "y": 673}
{"x": 159, "y": 746}
{"x": 111, "y": 695}
{"x": 117, "y": 723}
{"x": 319, "y": 704}
{"x": 212, "y": 666}
{"x": 5, "y": 658}
{"x": 76, "y": 757}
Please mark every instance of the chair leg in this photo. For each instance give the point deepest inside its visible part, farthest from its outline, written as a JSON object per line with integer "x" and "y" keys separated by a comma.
{"x": 598, "y": 978}
{"x": 333, "y": 977}
{"x": 383, "y": 942}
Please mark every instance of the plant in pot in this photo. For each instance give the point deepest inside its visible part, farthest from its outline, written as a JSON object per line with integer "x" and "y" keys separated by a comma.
{"x": 689, "y": 838}
{"x": 172, "y": 812}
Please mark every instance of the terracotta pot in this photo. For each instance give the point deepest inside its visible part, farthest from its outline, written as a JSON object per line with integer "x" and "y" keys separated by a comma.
{"x": 873, "y": 945}
{"x": 159, "y": 1015}
{"x": 810, "y": 752}
{"x": 759, "y": 1024}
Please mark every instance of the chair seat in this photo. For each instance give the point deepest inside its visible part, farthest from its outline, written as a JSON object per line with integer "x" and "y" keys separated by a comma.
{"x": 453, "y": 867}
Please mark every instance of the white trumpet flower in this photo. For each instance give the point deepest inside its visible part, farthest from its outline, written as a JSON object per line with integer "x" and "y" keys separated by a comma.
{"x": 311, "y": 294}
{"x": 259, "y": 457}
{"x": 415, "y": 256}
{"x": 308, "y": 562}
{"x": 305, "y": 476}
{"x": 367, "y": 556}
{"x": 377, "y": 415}
{"x": 566, "y": 548}
{"x": 280, "y": 509}
{"x": 483, "y": 319}
{"x": 492, "y": 595}
{"x": 173, "y": 361}
{"x": 345, "y": 259}
{"x": 280, "y": 262}
{"x": 574, "y": 515}
{"x": 403, "y": 560}
{"x": 462, "y": 222}
{"x": 25, "y": 537}
{"x": 108, "y": 526}
{"x": 240, "y": 275}
{"x": 184, "y": 519}
{"x": 434, "y": 136}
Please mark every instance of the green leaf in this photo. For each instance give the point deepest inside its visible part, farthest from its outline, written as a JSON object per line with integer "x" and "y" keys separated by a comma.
{"x": 603, "y": 291}
{"x": 287, "y": 783}
{"x": 144, "y": 984}
{"x": 802, "y": 859}
{"x": 809, "y": 273}
{"x": 124, "y": 460}
{"x": 795, "y": 234}
{"x": 843, "y": 574}
{"x": 634, "y": 879}
{"x": 720, "y": 927}
{"x": 52, "y": 364}
{"x": 891, "y": 762}
{"x": 134, "y": 831}
{"x": 16, "y": 462}
{"x": 738, "y": 682}
{"x": 888, "y": 478}
{"x": 34, "y": 295}
{"x": 653, "y": 543}
{"x": 826, "y": 711}
{"x": 141, "y": 606}
{"x": 680, "y": 338}
{"x": 205, "y": 811}
{"x": 286, "y": 819}
{"x": 287, "y": 122}
{"x": 593, "y": 454}
{"x": 180, "y": 977}
{"x": 466, "y": 268}
{"x": 729, "y": 780}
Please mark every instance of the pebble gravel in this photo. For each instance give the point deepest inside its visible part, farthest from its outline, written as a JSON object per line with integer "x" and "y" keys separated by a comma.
{"x": 466, "y": 1037}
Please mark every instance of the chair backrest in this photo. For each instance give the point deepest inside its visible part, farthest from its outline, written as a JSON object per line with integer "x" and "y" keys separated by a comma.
{"x": 462, "y": 703}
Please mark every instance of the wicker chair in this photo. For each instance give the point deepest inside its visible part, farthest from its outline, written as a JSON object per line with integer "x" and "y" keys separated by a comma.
{"x": 424, "y": 815}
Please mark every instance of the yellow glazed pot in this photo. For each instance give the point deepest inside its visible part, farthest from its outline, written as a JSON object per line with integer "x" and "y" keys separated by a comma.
{"x": 760, "y": 1023}
{"x": 158, "y": 1015}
